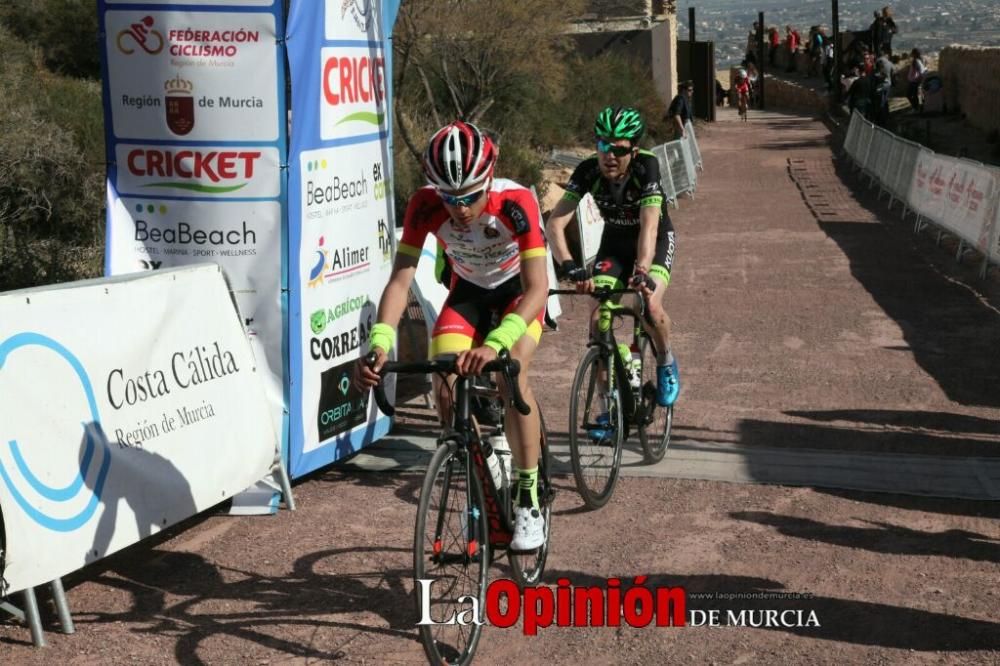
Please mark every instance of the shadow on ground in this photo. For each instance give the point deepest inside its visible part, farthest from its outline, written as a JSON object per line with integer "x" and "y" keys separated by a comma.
{"x": 882, "y": 537}
{"x": 842, "y": 620}
{"x": 949, "y": 326}
{"x": 218, "y": 601}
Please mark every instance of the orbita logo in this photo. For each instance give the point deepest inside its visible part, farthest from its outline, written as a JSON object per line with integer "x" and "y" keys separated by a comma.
{"x": 341, "y": 405}
{"x": 59, "y": 508}
{"x": 140, "y": 35}
{"x": 353, "y": 89}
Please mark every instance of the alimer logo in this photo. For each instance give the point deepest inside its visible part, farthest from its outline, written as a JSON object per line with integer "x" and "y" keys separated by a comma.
{"x": 68, "y": 507}
{"x": 337, "y": 264}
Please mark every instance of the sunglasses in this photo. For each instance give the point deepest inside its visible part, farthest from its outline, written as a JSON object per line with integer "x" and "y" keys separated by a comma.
{"x": 465, "y": 200}
{"x": 608, "y": 147}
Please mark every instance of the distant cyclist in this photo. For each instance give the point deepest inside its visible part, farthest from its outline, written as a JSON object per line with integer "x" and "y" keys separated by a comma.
{"x": 637, "y": 246}
{"x": 490, "y": 229}
{"x": 741, "y": 86}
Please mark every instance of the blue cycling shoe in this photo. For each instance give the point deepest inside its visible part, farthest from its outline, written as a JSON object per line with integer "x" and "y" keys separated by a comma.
{"x": 668, "y": 384}
{"x": 602, "y": 431}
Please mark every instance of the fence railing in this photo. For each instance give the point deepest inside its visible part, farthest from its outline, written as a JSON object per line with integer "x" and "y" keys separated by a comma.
{"x": 958, "y": 196}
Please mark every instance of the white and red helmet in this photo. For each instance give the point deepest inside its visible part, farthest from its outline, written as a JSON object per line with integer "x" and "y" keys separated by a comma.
{"x": 458, "y": 156}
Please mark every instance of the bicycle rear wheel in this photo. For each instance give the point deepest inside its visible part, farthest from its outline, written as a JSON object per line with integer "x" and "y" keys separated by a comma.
{"x": 595, "y": 447}
{"x": 528, "y": 566}
{"x": 654, "y": 422}
{"x": 450, "y": 555}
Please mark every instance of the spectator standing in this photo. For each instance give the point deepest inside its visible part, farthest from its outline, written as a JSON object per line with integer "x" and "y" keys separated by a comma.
{"x": 828, "y": 60}
{"x": 859, "y": 97}
{"x": 751, "y": 52}
{"x": 848, "y": 79}
{"x": 753, "y": 78}
{"x": 679, "y": 112}
{"x": 774, "y": 40}
{"x": 915, "y": 77}
{"x": 792, "y": 41}
{"x": 888, "y": 30}
{"x": 884, "y": 73}
{"x": 868, "y": 61}
{"x": 817, "y": 41}
{"x": 875, "y": 33}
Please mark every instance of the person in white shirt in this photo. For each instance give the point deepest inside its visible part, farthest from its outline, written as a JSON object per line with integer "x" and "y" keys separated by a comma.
{"x": 915, "y": 77}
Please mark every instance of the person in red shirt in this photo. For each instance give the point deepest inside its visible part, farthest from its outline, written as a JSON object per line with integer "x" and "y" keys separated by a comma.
{"x": 792, "y": 41}
{"x": 490, "y": 230}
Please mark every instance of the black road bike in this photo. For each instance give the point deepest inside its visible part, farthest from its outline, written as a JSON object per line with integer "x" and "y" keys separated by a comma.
{"x": 609, "y": 398}
{"x": 464, "y": 518}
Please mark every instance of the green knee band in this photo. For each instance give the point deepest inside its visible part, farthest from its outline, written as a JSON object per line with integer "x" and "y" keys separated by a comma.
{"x": 382, "y": 336}
{"x": 660, "y": 272}
{"x": 507, "y": 333}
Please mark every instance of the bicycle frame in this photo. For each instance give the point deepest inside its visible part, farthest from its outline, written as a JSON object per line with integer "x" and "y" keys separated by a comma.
{"x": 465, "y": 437}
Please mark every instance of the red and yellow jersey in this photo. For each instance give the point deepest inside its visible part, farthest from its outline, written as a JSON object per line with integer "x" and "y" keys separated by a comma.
{"x": 488, "y": 251}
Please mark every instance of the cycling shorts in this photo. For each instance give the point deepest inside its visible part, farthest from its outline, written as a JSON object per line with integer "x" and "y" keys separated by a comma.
{"x": 617, "y": 254}
{"x": 470, "y": 312}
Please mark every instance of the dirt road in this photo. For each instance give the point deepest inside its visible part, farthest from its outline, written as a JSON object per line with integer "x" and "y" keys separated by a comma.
{"x": 796, "y": 325}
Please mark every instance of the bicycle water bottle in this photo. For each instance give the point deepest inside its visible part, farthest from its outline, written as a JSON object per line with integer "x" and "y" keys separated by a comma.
{"x": 501, "y": 447}
{"x": 635, "y": 368}
{"x": 494, "y": 464}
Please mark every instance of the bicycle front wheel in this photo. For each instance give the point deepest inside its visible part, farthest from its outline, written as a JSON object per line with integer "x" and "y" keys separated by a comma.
{"x": 654, "y": 422}
{"x": 527, "y": 567}
{"x": 596, "y": 432}
{"x": 450, "y": 555}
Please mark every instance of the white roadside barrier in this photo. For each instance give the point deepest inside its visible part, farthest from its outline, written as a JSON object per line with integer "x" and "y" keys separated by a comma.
{"x": 958, "y": 196}
{"x": 126, "y": 405}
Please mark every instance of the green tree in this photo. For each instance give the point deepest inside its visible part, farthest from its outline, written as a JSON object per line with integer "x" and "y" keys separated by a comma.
{"x": 66, "y": 31}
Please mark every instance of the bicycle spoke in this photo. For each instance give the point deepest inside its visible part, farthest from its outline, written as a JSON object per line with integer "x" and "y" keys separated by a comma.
{"x": 450, "y": 554}
{"x": 595, "y": 431}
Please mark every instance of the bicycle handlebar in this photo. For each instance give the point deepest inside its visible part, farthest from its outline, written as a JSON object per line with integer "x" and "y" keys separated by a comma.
{"x": 509, "y": 367}
{"x": 599, "y": 294}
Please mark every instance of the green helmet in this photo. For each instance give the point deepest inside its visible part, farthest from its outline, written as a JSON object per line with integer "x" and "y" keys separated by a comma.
{"x": 616, "y": 122}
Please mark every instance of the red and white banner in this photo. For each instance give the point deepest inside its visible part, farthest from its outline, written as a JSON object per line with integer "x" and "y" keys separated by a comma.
{"x": 957, "y": 194}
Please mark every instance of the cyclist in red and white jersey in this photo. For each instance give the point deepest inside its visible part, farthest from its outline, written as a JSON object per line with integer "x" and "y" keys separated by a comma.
{"x": 491, "y": 231}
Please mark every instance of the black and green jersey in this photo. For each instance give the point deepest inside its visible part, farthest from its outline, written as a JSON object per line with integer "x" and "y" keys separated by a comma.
{"x": 620, "y": 202}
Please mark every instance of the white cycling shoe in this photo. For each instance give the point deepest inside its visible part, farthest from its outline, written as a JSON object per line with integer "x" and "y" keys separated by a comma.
{"x": 529, "y": 529}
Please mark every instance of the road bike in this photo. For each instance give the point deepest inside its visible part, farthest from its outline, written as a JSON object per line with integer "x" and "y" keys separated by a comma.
{"x": 604, "y": 406}
{"x": 464, "y": 517}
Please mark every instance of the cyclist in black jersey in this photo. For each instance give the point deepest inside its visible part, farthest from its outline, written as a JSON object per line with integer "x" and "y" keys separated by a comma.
{"x": 637, "y": 245}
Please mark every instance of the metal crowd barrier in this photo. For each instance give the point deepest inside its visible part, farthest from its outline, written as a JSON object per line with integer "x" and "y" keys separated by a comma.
{"x": 965, "y": 204}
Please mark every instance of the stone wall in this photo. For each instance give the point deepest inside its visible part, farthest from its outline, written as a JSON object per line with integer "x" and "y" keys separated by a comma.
{"x": 971, "y": 78}
{"x": 785, "y": 94}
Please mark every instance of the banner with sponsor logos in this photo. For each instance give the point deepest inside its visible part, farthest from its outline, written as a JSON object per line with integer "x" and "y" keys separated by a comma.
{"x": 340, "y": 219}
{"x": 101, "y": 444}
{"x": 957, "y": 194}
{"x": 195, "y": 116}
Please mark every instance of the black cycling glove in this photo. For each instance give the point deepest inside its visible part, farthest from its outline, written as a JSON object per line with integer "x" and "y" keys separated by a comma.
{"x": 573, "y": 272}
